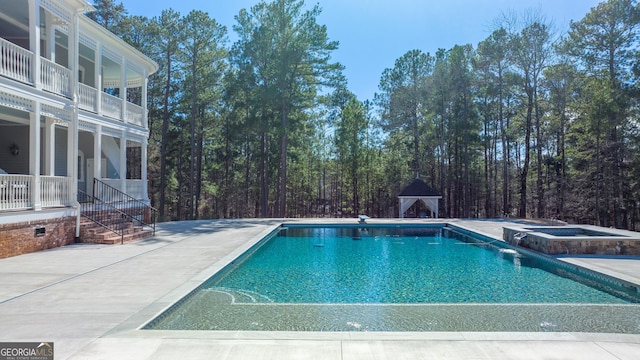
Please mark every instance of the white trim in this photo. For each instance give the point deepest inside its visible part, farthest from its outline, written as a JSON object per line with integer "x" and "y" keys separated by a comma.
{"x": 86, "y": 126}
{"x": 15, "y": 102}
{"x": 114, "y": 133}
{"x": 87, "y": 41}
{"x": 135, "y": 139}
{"x": 56, "y": 113}
{"x": 111, "y": 55}
{"x": 57, "y": 10}
{"x": 27, "y": 216}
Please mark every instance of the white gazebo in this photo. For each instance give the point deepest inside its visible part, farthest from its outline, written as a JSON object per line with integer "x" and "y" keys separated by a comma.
{"x": 419, "y": 190}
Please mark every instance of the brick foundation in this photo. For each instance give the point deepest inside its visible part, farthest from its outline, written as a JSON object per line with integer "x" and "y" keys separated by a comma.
{"x": 20, "y": 238}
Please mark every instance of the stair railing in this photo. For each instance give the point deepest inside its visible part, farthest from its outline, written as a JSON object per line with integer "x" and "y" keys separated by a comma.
{"x": 102, "y": 213}
{"x": 135, "y": 209}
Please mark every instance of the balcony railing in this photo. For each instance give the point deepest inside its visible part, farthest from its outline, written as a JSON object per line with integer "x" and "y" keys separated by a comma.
{"x": 15, "y": 192}
{"x": 56, "y": 191}
{"x": 88, "y": 98}
{"x": 111, "y": 106}
{"x": 135, "y": 114}
{"x": 55, "y": 78}
{"x": 15, "y": 62}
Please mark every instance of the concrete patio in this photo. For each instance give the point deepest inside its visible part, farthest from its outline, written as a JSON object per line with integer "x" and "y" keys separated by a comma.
{"x": 90, "y": 300}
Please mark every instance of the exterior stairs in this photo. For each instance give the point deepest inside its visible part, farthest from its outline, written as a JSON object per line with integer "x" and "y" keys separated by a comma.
{"x": 115, "y": 217}
{"x": 91, "y": 232}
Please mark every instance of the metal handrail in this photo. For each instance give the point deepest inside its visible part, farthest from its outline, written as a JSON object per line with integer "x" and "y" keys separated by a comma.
{"x": 101, "y": 213}
{"x": 135, "y": 209}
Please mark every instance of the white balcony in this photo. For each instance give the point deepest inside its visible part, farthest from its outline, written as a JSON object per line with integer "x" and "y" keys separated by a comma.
{"x": 16, "y": 63}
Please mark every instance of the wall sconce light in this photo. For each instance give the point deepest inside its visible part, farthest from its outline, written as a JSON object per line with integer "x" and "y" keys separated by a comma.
{"x": 15, "y": 150}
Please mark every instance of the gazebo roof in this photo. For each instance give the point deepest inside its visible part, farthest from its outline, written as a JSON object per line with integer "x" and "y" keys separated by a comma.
{"x": 419, "y": 188}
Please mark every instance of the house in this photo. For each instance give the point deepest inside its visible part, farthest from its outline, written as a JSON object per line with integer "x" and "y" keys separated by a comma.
{"x": 72, "y": 109}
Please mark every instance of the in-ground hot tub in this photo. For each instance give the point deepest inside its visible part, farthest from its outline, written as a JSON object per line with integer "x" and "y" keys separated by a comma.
{"x": 574, "y": 239}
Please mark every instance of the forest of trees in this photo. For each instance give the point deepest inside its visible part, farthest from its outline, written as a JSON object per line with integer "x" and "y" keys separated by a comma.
{"x": 527, "y": 123}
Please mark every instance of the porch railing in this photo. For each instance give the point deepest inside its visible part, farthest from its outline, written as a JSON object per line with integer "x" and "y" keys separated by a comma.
{"x": 134, "y": 187}
{"x": 111, "y": 106}
{"x": 88, "y": 98}
{"x": 55, "y": 78}
{"x": 56, "y": 191}
{"x": 15, "y": 192}
{"x": 15, "y": 62}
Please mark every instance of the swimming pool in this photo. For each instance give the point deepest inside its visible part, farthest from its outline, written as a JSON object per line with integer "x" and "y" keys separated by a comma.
{"x": 399, "y": 279}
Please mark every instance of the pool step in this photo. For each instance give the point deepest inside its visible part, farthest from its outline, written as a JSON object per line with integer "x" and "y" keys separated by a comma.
{"x": 240, "y": 296}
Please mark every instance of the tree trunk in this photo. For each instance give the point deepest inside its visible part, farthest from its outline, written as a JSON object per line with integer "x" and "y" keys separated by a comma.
{"x": 199, "y": 154}
{"x": 284, "y": 142}
{"x": 541, "y": 205}
{"x": 163, "y": 142}
{"x": 525, "y": 166}
{"x": 264, "y": 175}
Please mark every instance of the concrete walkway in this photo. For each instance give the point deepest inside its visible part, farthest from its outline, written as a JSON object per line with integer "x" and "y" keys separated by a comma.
{"x": 90, "y": 300}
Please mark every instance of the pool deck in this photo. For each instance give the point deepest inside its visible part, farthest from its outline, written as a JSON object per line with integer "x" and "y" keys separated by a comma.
{"x": 90, "y": 301}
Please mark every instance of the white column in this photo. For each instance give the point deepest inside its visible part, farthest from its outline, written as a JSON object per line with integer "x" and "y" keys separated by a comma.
{"x": 72, "y": 52}
{"x": 72, "y": 134}
{"x": 145, "y": 112}
{"x": 143, "y": 169}
{"x": 34, "y": 154}
{"x": 123, "y": 89}
{"x": 123, "y": 162}
{"x": 34, "y": 41}
{"x": 72, "y": 153}
{"x": 99, "y": 85}
{"x": 50, "y": 147}
{"x": 436, "y": 202}
{"x": 97, "y": 153}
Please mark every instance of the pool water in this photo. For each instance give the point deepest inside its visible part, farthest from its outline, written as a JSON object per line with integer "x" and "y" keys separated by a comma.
{"x": 398, "y": 279}
{"x": 330, "y": 265}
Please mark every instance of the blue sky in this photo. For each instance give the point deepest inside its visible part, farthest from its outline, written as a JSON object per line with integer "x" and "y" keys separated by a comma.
{"x": 374, "y": 33}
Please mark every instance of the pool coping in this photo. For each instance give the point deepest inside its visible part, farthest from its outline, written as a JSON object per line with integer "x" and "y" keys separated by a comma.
{"x": 135, "y": 325}
{"x": 187, "y": 289}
